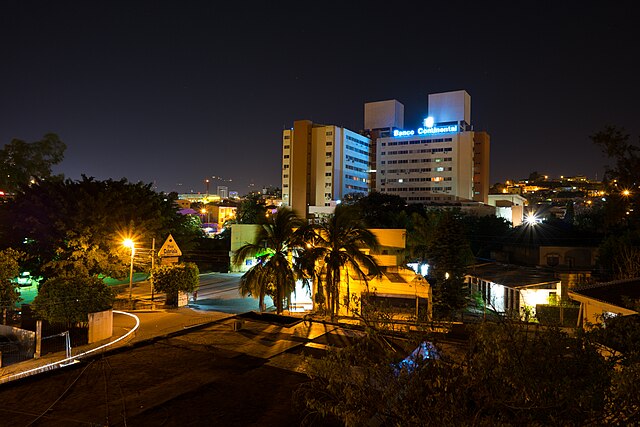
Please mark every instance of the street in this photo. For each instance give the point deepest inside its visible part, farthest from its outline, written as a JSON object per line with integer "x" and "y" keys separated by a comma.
{"x": 217, "y": 292}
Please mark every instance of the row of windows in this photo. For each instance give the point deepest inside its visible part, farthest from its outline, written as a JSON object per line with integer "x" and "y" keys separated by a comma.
{"x": 356, "y": 160}
{"x": 356, "y": 169}
{"x": 357, "y": 141}
{"x": 357, "y": 150}
{"x": 427, "y": 198}
{"x": 423, "y": 151}
{"x": 422, "y": 179}
{"x": 436, "y": 160}
{"x": 422, "y": 170}
{"x": 416, "y": 141}
{"x": 404, "y": 189}
{"x": 356, "y": 178}
{"x": 356, "y": 187}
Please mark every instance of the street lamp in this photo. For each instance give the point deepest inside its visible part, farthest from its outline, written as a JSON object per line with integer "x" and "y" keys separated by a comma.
{"x": 205, "y": 211}
{"x": 130, "y": 244}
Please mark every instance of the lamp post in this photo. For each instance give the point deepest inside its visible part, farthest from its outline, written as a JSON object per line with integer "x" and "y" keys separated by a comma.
{"x": 205, "y": 211}
{"x": 130, "y": 244}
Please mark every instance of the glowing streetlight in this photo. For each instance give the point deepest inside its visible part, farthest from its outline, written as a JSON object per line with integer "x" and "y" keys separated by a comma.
{"x": 130, "y": 244}
{"x": 205, "y": 211}
{"x": 531, "y": 219}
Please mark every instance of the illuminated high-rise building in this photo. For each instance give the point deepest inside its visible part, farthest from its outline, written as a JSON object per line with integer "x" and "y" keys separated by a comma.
{"x": 320, "y": 165}
{"x": 441, "y": 160}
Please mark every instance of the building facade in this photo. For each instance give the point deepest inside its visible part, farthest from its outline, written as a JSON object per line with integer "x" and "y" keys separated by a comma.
{"x": 442, "y": 160}
{"x": 321, "y": 164}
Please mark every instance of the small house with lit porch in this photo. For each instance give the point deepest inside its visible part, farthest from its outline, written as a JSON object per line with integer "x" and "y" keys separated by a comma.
{"x": 513, "y": 290}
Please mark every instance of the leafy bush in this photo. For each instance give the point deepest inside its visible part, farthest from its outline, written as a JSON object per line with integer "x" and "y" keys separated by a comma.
{"x": 69, "y": 298}
{"x": 171, "y": 279}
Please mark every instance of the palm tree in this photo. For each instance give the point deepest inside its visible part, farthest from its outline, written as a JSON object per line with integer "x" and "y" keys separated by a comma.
{"x": 255, "y": 283}
{"x": 335, "y": 246}
{"x": 274, "y": 273}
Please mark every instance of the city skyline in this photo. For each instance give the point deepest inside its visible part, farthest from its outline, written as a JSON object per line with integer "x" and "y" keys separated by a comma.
{"x": 175, "y": 94}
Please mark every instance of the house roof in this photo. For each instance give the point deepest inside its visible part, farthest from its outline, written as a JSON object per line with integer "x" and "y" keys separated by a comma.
{"x": 617, "y": 292}
{"x": 514, "y": 276}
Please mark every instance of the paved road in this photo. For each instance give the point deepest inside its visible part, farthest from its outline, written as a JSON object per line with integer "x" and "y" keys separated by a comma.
{"x": 219, "y": 292}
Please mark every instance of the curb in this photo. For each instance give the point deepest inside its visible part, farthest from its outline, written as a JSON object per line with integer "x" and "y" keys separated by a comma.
{"x": 108, "y": 349}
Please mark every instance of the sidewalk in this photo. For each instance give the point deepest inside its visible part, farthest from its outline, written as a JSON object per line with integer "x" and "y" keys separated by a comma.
{"x": 148, "y": 324}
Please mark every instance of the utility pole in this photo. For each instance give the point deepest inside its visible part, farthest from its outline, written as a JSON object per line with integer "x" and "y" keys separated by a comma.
{"x": 153, "y": 259}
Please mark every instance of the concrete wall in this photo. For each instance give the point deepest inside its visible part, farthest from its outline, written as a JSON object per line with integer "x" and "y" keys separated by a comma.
{"x": 450, "y": 106}
{"x": 241, "y": 234}
{"x": 462, "y": 184}
{"x": 383, "y": 114}
{"x": 100, "y": 325}
{"x": 299, "y": 167}
{"x": 569, "y": 256}
{"x": 481, "y": 155}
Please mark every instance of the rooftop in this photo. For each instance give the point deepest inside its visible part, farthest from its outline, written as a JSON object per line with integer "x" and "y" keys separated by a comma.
{"x": 621, "y": 293}
{"x": 510, "y": 275}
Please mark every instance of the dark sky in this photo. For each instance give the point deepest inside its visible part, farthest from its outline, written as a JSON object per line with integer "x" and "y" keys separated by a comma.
{"x": 176, "y": 92}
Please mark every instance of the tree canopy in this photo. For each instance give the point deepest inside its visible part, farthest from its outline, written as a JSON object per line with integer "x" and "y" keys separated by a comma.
{"x": 251, "y": 210}
{"x": 9, "y": 270}
{"x": 449, "y": 254}
{"x": 335, "y": 248}
{"x": 507, "y": 374}
{"x": 21, "y": 161}
{"x": 84, "y": 223}
{"x": 274, "y": 273}
{"x": 175, "y": 278}
{"x": 69, "y": 297}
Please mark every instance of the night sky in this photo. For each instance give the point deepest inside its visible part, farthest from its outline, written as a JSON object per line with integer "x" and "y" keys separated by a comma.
{"x": 172, "y": 93}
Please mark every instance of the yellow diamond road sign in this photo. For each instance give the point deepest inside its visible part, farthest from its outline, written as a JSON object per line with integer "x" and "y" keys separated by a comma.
{"x": 169, "y": 248}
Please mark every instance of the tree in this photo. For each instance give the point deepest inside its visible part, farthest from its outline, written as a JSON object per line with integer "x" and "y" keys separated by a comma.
{"x": 275, "y": 241}
{"x": 251, "y": 210}
{"x": 68, "y": 297}
{"x": 9, "y": 270}
{"x": 449, "y": 254}
{"x": 255, "y": 283}
{"x": 174, "y": 278}
{"x": 506, "y": 374}
{"x": 614, "y": 143}
{"x": 485, "y": 233}
{"x": 622, "y": 179}
{"x": 336, "y": 247}
{"x": 619, "y": 257}
{"x": 57, "y": 220}
{"x": 21, "y": 161}
{"x": 380, "y": 210}
{"x": 419, "y": 236}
